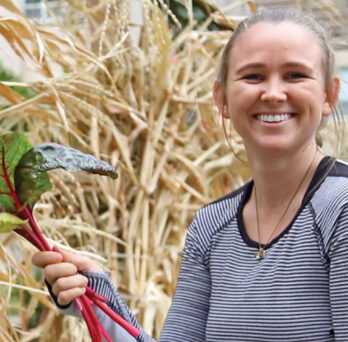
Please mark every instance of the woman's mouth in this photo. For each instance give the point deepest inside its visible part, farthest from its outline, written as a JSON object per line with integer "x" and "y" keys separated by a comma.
{"x": 273, "y": 118}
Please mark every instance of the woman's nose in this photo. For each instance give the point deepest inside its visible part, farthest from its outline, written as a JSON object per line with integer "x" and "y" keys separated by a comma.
{"x": 274, "y": 90}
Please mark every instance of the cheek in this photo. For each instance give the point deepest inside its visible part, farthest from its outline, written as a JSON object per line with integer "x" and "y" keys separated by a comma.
{"x": 242, "y": 96}
{"x": 311, "y": 97}
{"x": 239, "y": 120}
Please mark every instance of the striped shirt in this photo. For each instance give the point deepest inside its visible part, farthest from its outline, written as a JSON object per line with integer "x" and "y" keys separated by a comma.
{"x": 298, "y": 293}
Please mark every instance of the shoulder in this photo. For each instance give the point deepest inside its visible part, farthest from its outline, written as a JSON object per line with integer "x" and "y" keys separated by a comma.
{"x": 224, "y": 209}
{"x": 341, "y": 167}
{"x": 330, "y": 200}
{"x": 332, "y": 190}
{"x": 211, "y": 218}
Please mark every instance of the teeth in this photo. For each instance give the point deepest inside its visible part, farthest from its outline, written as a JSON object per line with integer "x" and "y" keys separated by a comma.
{"x": 273, "y": 118}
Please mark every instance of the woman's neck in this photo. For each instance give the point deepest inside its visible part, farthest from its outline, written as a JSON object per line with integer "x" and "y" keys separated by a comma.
{"x": 276, "y": 179}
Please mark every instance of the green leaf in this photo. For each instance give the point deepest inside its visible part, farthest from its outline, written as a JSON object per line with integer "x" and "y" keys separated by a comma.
{"x": 8, "y": 222}
{"x": 32, "y": 181}
{"x": 12, "y": 147}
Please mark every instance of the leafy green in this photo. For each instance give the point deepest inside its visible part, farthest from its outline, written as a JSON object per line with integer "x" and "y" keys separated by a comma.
{"x": 8, "y": 222}
{"x": 32, "y": 181}
{"x": 22, "y": 172}
{"x": 12, "y": 147}
{"x": 49, "y": 156}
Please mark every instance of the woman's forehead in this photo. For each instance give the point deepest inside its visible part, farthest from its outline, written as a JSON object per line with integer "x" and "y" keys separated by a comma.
{"x": 285, "y": 40}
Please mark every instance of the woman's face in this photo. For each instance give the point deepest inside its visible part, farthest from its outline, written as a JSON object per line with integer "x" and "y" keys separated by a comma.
{"x": 275, "y": 91}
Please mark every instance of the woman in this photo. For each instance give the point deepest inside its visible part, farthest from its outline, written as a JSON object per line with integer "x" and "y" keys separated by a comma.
{"x": 266, "y": 262}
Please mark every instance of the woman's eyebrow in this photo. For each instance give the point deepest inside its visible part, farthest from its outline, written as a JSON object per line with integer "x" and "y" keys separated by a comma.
{"x": 298, "y": 65}
{"x": 250, "y": 66}
{"x": 257, "y": 65}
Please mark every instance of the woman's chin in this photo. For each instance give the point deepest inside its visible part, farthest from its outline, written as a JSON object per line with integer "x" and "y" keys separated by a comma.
{"x": 273, "y": 147}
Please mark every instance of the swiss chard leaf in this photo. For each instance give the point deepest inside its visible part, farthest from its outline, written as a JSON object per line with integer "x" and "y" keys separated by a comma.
{"x": 12, "y": 147}
{"x": 8, "y": 222}
{"x": 31, "y": 180}
{"x": 30, "y": 183}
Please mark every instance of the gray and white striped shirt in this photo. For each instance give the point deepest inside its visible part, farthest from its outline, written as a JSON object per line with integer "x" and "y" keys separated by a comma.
{"x": 298, "y": 293}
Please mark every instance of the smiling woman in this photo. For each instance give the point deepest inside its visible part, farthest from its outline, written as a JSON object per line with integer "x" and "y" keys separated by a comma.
{"x": 267, "y": 262}
{"x": 276, "y": 74}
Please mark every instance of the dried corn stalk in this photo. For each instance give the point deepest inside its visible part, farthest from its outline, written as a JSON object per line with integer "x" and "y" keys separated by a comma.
{"x": 145, "y": 108}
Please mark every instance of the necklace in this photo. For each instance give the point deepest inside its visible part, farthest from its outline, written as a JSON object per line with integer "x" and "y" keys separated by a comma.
{"x": 261, "y": 253}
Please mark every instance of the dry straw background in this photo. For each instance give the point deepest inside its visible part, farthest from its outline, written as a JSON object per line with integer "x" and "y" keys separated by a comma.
{"x": 146, "y": 108}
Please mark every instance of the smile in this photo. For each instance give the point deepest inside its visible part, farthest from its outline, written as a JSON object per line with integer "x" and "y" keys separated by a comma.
{"x": 273, "y": 117}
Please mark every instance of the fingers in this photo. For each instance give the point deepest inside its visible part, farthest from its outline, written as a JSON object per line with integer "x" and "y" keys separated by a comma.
{"x": 42, "y": 259}
{"x": 53, "y": 272}
{"x": 61, "y": 272}
{"x": 81, "y": 262}
{"x": 63, "y": 284}
{"x": 68, "y": 288}
{"x": 66, "y": 297}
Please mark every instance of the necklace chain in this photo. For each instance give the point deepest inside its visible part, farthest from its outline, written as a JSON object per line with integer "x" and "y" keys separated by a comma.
{"x": 261, "y": 253}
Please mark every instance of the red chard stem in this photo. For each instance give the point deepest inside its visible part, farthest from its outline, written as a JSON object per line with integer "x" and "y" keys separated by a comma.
{"x": 79, "y": 304}
{"x": 118, "y": 319}
{"x": 20, "y": 190}
{"x": 93, "y": 324}
{"x": 91, "y": 293}
{"x": 28, "y": 215}
{"x": 31, "y": 237}
{"x": 6, "y": 176}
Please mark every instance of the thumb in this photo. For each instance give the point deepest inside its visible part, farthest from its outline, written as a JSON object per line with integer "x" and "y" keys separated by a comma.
{"x": 82, "y": 263}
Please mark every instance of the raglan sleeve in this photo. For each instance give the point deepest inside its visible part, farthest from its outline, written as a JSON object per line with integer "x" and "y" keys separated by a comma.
{"x": 338, "y": 253}
{"x": 187, "y": 316}
{"x": 101, "y": 284}
{"x": 186, "y": 320}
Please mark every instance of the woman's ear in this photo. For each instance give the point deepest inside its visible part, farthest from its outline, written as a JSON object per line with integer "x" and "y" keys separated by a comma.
{"x": 332, "y": 96}
{"x": 219, "y": 99}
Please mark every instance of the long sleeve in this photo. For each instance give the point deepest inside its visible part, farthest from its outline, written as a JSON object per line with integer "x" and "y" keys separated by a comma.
{"x": 339, "y": 277}
{"x": 186, "y": 320}
{"x": 187, "y": 317}
{"x": 100, "y": 283}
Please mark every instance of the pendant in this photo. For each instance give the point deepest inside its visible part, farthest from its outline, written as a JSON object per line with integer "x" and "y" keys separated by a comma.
{"x": 261, "y": 254}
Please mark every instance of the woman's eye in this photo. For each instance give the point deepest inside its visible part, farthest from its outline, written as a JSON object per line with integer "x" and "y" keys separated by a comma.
{"x": 253, "y": 77}
{"x": 296, "y": 75}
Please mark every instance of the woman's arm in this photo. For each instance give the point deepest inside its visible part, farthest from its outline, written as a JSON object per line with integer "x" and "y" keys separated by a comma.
{"x": 66, "y": 277}
{"x": 67, "y": 274}
{"x": 339, "y": 277}
{"x": 187, "y": 317}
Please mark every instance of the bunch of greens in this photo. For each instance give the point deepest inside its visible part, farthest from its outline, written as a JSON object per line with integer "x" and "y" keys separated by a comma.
{"x": 23, "y": 178}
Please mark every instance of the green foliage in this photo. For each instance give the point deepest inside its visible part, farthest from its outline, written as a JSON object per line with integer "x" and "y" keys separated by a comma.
{"x": 35, "y": 318}
{"x": 30, "y": 183}
{"x": 200, "y": 14}
{"x": 30, "y": 179}
{"x": 8, "y": 222}
{"x": 23, "y": 177}
{"x": 12, "y": 147}
{"x": 48, "y": 156}
{"x": 6, "y": 75}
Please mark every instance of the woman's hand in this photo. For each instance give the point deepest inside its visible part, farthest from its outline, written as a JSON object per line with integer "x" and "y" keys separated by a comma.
{"x": 61, "y": 272}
